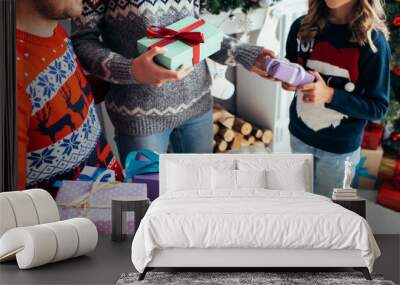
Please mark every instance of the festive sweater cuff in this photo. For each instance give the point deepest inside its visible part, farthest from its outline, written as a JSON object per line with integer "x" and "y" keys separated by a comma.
{"x": 121, "y": 70}
{"x": 247, "y": 55}
{"x": 337, "y": 101}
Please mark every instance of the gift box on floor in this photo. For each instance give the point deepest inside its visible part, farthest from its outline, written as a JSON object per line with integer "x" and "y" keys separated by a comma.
{"x": 142, "y": 167}
{"x": 390, "y": 166}
{"x": 91, "y": 173}
{"x": 389, "y": 195}
{"x": 367, "y": 169}
{"x": 152, "y": 182}
{"x": 372, "y": 136}
{"x": 187, "y": 41}
{"x": 288, "y": 72}
{"x": 93, "y": 201}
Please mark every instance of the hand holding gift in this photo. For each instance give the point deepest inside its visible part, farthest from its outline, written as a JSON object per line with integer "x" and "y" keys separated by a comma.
{"x": 186, "y": 42}
{"x": 259, "y": 66}
{"x": 295, "y": 78}
{"x": 317, "y": 92}
{"x": 292, "y": 74}
{"x": 148, "y": 72}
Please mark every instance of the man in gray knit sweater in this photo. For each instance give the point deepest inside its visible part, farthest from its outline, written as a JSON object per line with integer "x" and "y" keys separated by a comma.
{"x": 149, "y": 105}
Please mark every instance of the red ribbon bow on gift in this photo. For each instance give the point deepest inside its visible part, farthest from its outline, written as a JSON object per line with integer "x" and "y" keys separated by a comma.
{"x": 193, "y": 39}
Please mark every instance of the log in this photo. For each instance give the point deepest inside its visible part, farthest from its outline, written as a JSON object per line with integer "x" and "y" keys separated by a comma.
{"x": 257, "y": 133}
{"x": 244, "y": 142}
{"x": 215, "y": 129}
{"x": 267, "y": 137}
{"x": 236, "y": 141}
{"x": 258, "y": 142}
{"x": 223, "y": 116}
{"x": 220, "y": 144}
{"x": 216, "y": 113}
{"x": 242, "y": 126}
{"x": 250, "y": 139}
{"x": 227, "y": 134}
{"x": 227, "y": 121}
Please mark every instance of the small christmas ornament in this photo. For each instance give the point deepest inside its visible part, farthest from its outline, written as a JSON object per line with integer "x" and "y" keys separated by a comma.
{"x": 396, "y": 70}
{"x": 396, "y": 21}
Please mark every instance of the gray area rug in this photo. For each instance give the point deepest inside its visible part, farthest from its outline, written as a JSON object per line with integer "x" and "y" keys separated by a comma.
{"x": 243, "y": 278}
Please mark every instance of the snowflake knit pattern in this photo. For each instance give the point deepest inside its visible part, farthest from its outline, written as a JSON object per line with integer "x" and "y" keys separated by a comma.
{"x": 106, "y": 43}
{"x": 58, "y": 129}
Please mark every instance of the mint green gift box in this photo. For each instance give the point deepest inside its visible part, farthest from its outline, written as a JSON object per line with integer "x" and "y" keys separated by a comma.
{"x": 178, "y": 53}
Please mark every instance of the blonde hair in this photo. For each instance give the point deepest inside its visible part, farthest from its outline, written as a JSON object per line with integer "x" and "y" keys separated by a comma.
{"x": 368, "y": 15}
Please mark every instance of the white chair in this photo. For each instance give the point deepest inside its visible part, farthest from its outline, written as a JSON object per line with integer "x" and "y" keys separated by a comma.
{"x": 31, "y": 231}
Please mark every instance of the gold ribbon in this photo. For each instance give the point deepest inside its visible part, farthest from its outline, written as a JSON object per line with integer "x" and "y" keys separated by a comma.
{"x": 82, "y": 203}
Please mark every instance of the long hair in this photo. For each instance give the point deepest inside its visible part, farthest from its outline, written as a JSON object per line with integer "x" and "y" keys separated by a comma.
{"x": 368, "y": 15}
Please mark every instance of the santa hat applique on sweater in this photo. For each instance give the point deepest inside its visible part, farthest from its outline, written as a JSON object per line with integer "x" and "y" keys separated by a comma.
{"x": 339, "y": 68}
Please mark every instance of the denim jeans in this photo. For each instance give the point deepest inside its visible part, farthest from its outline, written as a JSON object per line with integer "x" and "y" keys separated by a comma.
{"x": 193, "y": 136}
{"x": 328, "y": 166}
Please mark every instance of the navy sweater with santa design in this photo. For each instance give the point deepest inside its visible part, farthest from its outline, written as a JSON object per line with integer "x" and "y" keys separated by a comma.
{"x": 359, "y": 76}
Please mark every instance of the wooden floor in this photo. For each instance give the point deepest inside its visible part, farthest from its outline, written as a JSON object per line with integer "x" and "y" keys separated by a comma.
{"x": 110, "y": 260}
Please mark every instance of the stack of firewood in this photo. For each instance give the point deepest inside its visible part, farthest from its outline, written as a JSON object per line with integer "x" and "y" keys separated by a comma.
{"x": 232, "y": 132}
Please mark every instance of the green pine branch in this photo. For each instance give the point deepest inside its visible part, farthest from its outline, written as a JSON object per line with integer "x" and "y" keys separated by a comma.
{"x": 392, "y": 9}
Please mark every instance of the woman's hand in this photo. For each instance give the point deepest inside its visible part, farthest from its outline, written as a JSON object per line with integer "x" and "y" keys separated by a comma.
{"x": 259, "y": 66}
{"x": 288, "y": 87}
{"x": 146, "y": 71}
{"x": 317, "y": 92}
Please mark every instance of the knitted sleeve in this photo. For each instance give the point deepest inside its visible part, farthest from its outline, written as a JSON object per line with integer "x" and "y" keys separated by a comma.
{"x": 24, "y": 116}
{"x": 93, "y": 54}
{"x": 232, "y": 51}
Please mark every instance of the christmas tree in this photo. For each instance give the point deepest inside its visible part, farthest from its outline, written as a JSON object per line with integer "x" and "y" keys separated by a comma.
{"x": 218, "y": 6}
{"x": 392, "y": 119}
{"x": 393, "y": 21}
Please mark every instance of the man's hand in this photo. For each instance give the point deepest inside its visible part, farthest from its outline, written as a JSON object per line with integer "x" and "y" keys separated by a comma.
{"x": 146, "y": 71}
{"x": 259, "y": 66}
{"x": 317, "y": 92}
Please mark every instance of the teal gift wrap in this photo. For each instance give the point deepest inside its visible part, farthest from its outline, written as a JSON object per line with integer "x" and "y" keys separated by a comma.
{"x": 187, "y": 41}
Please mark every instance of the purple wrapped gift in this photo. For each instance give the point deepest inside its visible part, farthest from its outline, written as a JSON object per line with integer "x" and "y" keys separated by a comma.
{"x": 152, "y": 182}
{"x": 151, "y": 178}
{"x": 291, "y": 73}
{"x": 93, "y": 201}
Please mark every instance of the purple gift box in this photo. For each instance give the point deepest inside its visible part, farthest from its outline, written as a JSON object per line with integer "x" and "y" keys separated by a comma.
{"x": 73, "y": 200}
{"x": 150, "y": 179}
{"x": 152, "y": 182}
{"x": 288, "y": 72}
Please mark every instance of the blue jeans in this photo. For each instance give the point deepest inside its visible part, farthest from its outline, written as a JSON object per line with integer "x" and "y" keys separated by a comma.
{"x": 193, "y": 136}
{"x": 328, "y": 166}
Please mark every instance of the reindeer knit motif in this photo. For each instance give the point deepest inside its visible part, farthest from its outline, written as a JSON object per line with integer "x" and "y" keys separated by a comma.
{"x": 105, "y": 41}
{"x": 58, "y": 129}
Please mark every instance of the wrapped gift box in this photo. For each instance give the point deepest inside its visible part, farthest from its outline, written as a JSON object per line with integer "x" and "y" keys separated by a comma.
{"x": 91, "y": 173}
{"x": 367, "y": 169}
{"x": 181, "y": 52}
{"x": 389, "y": 195}
{"x": 142, "y": 166}
{"x": 83, "y": 198}
{"x": 152, "y": 182}
{"x": 288, "y": 72}
{"x": 390, "y": 166}
{"x": 372, "y": 136}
